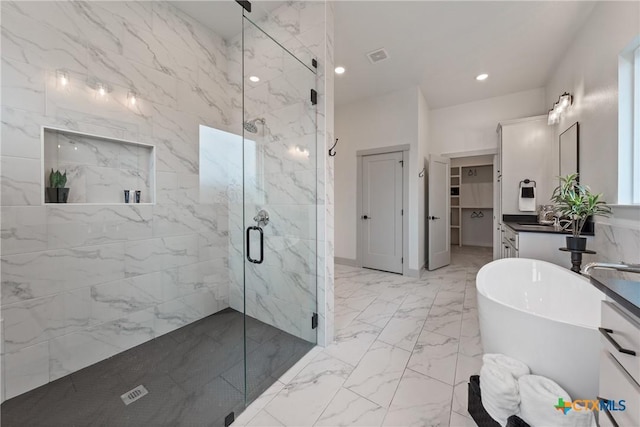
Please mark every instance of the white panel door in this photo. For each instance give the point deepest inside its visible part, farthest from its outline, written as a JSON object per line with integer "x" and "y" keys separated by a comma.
{"x": 439, "y": 212}
{"x": 381, "y": 218}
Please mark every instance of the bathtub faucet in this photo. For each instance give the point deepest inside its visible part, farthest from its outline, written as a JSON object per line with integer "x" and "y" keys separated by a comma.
{"x": 622, "y": 266}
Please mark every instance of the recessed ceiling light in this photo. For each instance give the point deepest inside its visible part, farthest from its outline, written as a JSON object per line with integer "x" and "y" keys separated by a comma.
{"x": 339, "y": 70}
{"x": 481, "y": 77}
{"x": 254, "y": 79}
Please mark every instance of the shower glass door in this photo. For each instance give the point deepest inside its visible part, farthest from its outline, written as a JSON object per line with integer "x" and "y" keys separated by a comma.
{"x": 279, "y": 208}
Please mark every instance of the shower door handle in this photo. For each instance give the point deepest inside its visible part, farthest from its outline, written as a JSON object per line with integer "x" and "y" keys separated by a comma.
{"x": 249, "y": 230}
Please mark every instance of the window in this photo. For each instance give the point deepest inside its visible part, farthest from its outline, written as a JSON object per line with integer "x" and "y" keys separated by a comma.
{"x": 629, "y": 124}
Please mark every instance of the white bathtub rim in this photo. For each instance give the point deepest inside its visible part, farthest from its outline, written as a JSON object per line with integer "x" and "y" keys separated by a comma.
{"x": 481, "y": 278}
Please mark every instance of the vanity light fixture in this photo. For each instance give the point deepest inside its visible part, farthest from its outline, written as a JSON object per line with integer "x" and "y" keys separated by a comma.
{"x": 481, "y": 77}
{"x": 340, "y": 70}
{"x": 254, "y": 79}
{"x": 63, "y": 77}
{"x": 564, "y": 101}
{"x": 132, "y": 98}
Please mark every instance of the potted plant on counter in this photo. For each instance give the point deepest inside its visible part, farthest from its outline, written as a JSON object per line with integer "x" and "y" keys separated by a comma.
{"x": 57, "y": 192}
{"x": 576, "y": 202}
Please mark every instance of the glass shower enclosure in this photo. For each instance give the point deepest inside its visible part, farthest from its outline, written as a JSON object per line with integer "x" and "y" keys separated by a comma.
{"x": 209, "y": 290}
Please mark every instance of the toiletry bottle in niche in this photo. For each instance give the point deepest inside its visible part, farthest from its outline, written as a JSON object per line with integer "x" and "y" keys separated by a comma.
{"x": 138, "y": 193}
{"x": 126, "y": 196}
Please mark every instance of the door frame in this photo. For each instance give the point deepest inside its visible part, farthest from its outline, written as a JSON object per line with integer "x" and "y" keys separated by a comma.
{"x": 406, "y": 158}
{"x": 497, "y": 201}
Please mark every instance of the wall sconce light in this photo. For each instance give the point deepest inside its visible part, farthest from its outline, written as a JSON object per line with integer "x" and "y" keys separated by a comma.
{"x": 132, "y": 98}
{"x": 62, "y": 77}
{"x": 564, "y": 101}
{"x": 102, "y": 90}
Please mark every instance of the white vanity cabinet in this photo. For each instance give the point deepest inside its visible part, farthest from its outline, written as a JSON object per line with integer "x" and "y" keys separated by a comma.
{"x": 620, "y": 365}
{"x": 542, "y": 246}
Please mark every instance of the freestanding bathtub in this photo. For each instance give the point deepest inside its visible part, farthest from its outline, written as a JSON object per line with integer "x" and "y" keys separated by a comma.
{"x": 545, "y": 316}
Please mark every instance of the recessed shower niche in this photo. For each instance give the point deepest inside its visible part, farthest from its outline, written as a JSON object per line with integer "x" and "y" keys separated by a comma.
{"x": 99, "y": 169}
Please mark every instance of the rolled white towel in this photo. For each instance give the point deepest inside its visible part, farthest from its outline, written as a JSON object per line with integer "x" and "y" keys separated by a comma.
{"x": 516, "y": 367}
{"x": 538, "y": 400}
{"x": 499, "y": 392}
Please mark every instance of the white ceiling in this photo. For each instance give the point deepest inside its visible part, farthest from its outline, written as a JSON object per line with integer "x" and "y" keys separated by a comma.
{"x": 441, "y": 46}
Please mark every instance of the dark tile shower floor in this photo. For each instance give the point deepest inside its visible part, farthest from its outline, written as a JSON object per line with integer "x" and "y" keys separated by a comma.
{"x": 194, "y": 375}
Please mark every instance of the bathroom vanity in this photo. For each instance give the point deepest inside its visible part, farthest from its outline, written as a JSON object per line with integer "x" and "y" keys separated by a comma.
{"x": 620, "y": 354}
{"x": 523, "y": 237}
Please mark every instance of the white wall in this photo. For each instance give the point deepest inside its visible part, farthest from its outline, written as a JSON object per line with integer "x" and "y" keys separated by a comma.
{"x": 472, "y": 126}
{"x": 589, "y": 70}
{"x": 391, "y": 119}
{"x": 423, "y": 154}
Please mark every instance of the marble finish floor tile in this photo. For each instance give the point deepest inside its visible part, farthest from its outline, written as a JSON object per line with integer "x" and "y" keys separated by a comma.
{"x": 403, "y": 353}
{"x": 378, "y": 373}
{"x": 435, "y": 355}
{"x": 350, "y": 409}
{"x": 420, "y": 401}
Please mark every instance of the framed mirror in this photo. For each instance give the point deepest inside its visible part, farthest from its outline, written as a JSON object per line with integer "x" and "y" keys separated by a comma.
{"x": 569, "y": 151}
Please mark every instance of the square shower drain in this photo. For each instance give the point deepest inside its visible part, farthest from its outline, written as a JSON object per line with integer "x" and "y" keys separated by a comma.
{"x": 134, "y": 394}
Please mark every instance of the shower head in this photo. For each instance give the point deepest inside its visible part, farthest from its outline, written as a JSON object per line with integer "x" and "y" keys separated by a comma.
{"x": 250, "y": 126}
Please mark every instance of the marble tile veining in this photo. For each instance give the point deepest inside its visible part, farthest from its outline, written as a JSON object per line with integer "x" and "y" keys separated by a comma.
{"x": 408, "y": 367}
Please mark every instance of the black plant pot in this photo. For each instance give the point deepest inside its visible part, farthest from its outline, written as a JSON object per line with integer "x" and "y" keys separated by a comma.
{"x": 57, "y": 195}
{"x": 576, "y": 243}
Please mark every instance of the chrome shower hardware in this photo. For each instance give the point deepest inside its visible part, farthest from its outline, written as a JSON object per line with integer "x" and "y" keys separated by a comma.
{"x": 262, "y": 218}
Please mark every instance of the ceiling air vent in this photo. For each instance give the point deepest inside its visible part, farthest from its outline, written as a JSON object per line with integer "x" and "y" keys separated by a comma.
{"x": 377, "y": 55}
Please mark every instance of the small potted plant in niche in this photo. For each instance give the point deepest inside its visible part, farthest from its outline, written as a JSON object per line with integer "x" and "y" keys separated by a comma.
{"x": 577, "y": 203}
{"x": 57, "y": 193}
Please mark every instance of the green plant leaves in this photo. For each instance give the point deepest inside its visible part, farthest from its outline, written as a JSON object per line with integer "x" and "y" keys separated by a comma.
{"x": 57, "y": 179}
{"x": 576, "y": 202}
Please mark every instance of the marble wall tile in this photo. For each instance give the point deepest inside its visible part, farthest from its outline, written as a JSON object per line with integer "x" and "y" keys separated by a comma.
{"x": 23, "y": 84}
{"x": 141, "y": 45}
{"x": 156, "y": 268}
{"x": 20, "y": 184}
{"x": 24, "y": 229}
{"x": 25, "y": 369}
{"x": 114, "y": 300}
{"x": 33, "y": 41}
{"x": 20, "y": 133}
{"x": 172, "y": 315}
{"x": 148, "y": 256}
{"x": 36, "y": 274}
{"x": 77, "y": 350}
{"x": 617, "y": 242}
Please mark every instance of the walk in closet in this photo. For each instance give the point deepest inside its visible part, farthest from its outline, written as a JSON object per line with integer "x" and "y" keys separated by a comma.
{"x": 472, "y": 201}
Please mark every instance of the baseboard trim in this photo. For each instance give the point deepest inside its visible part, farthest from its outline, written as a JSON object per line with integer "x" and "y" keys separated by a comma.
{"x": 413, "y": 273}
{"x": 345, "y": 261}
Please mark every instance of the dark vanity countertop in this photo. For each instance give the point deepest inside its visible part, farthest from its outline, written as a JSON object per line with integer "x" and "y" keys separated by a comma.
{"x": 529, "y": 224}
{"x": 619, "y": 287}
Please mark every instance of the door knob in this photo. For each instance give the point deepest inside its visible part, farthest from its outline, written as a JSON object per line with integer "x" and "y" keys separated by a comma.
{"x": 366, "y": 217}
{"x": 434, "y": 217}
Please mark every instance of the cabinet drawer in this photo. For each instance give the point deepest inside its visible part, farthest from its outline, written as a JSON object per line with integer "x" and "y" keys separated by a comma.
{"x": 616, "y": 385}
{"x": 511, "y": 236}
{"x": 625, "y": 331}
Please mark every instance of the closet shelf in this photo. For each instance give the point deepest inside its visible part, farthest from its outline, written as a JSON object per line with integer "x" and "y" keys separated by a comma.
{"x": 455, "y": 226}
{"x": 476, "y": 207}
